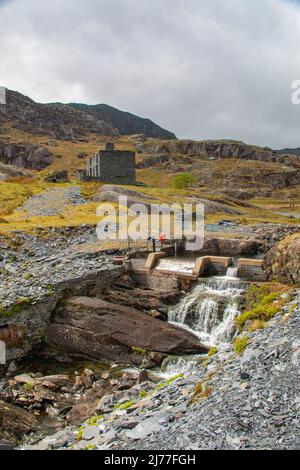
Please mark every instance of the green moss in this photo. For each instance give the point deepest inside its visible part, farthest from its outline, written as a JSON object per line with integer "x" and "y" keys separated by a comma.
{"x": 240, "y": 344}
{"x": 261, "y": 312}
{"x": 80, "y": 433}
{"x": 127, "y": 405}
{"x": 20, "y": 304}
{"x": 142, "y": 394}
{"x": 28, "y": 387}
{"x": 212, "y": 351}
{"x": 261, "y": 304}
{"x": 27, "y": 276}
{"x": 50, "y": 290}
{"x": 94, "y": 420}
{"x": 139, "y": 351}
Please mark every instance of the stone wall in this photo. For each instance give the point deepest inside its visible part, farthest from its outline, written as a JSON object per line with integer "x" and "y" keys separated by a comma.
{"x": 155, "y": 281}
{"x": 112, "y": 166}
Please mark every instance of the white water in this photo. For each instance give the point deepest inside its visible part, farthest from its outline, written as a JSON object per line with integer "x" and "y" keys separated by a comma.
{"x": 232, "y": 272}
{"x": 176, "y": 265}
{"x": 177, "y": 365}
{"x": 210, "y": 309}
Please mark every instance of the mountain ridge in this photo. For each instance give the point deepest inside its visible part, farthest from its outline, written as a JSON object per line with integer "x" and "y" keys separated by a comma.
{"x": 126, "y": 122}
{"x": 73, "y": 121}
{"x": 290, "y": 151}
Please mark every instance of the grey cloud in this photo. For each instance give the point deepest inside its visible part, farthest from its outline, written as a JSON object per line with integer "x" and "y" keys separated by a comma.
{"x": 204, "y": 69}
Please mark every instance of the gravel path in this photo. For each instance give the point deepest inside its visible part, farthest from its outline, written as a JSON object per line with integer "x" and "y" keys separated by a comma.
{"x": 53, "y": 201}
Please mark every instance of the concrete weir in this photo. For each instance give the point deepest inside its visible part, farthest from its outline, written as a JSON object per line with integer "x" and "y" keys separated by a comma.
{"x": 159, "y": 265}
{"x": 251, "y": 269}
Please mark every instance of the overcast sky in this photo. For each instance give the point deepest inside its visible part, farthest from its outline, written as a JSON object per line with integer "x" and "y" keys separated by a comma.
{"x": 204, "y": 69}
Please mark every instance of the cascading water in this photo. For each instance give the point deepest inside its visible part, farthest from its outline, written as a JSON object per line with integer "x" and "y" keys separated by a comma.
{"x": 210, "y": 309}
{"x": 232, "y": 272}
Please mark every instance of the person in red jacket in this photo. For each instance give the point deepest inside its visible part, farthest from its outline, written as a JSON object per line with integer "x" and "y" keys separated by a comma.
{"x": 162, "y": 238}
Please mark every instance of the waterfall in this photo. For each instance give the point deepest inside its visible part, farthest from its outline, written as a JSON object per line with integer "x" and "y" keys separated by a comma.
{"x": 210, "y": 309}
{"x": 232, "y": 272}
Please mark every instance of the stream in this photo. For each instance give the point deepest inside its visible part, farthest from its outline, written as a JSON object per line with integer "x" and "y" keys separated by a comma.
{"x": 208, "y": 311}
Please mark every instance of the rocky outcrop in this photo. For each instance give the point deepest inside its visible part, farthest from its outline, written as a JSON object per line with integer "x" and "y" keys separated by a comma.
{"x": 25, "y": 155}
{"x": 24, "y": 319}
{"x": 215, "y": 149}
{"x": 234, "y": 168}
{"x": 106, "y": 331}
{"x": 111, "y": 193}
{"x": 126, "y": 123}
{"x": 9, "y": 171}
{"x": 282, "y": 262}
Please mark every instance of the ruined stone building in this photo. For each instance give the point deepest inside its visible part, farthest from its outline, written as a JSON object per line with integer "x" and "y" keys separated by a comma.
{"x": 110, "y": 166}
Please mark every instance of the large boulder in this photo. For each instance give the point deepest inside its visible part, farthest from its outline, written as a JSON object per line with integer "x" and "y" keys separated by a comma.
{"x": 15, "y": 422}
{"x": 10, "y": 171}
{"x": 40, "y": 159}
{"x": 24, "y": 155}
{"x": 112, "y": 193}
{"x": 105, "y": 331}
{"x": 282, "y": 262}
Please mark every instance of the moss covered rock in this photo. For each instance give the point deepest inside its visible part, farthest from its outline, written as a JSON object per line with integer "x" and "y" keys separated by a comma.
{"x": 282, "y": 263}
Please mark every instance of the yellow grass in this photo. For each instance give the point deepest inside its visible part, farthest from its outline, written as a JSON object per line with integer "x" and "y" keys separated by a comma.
{"x": 15, "y": 193}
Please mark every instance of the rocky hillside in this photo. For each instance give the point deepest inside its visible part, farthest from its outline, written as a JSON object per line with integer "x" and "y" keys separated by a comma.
{"x": 234, "y": 168}
{"x": 64, "y": 300}
{"x": 215, "y": 149}
{"x": 126, "y": 123}
{"x": 227, "y": 401}
{"x": 289, "y": 151}
{"x": 74, "y": 121}
{"x": 55, "y": 120}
